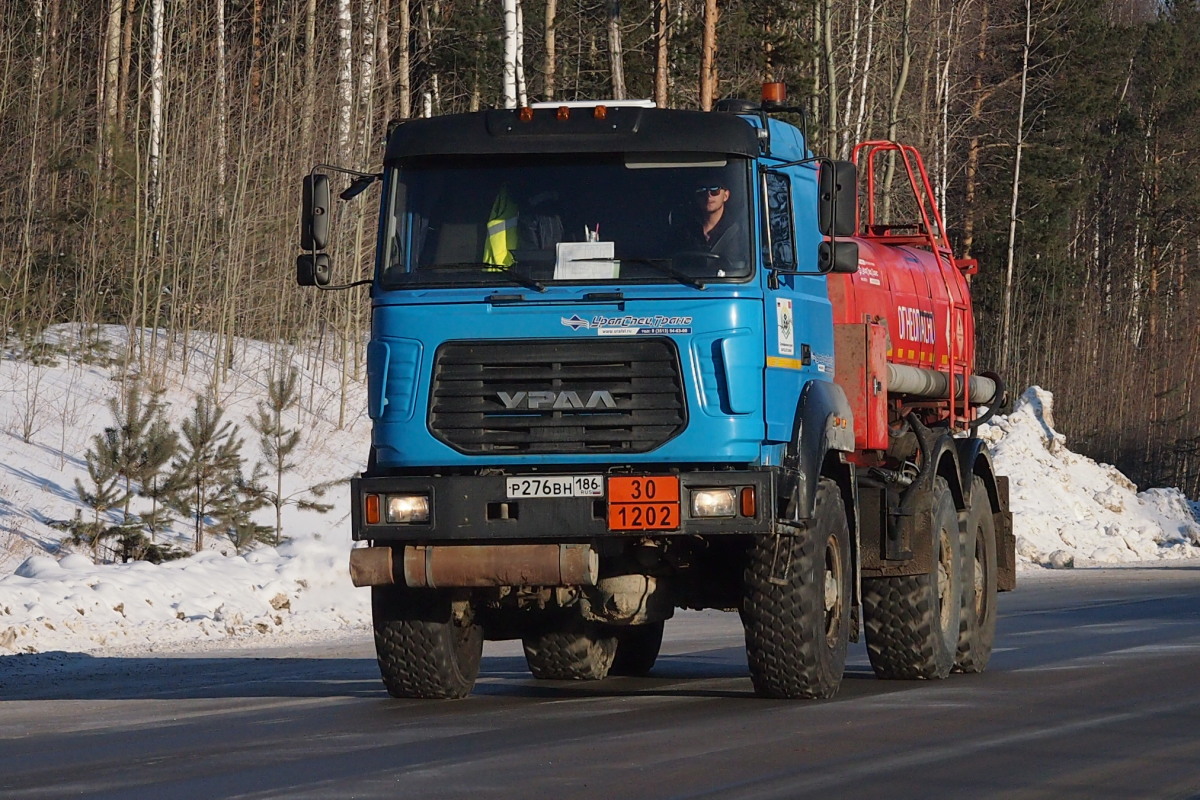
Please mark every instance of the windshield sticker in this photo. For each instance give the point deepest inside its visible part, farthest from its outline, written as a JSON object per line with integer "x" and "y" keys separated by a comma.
{"x": 629, "y": 325}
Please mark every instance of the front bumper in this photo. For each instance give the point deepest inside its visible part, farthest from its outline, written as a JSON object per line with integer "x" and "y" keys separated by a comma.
{"x": 476, "y": 508}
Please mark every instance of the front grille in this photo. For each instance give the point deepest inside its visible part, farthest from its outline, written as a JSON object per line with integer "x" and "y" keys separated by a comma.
{"x": 572, "y": 381}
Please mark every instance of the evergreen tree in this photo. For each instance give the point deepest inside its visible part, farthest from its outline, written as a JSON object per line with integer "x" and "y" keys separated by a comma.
{"x": 142, "y": 444}
{"x": 207, "y": 467}
{"x": 103, "y": 495}
{"x": 234, "y": 514}
{"x": 277, "y": 443}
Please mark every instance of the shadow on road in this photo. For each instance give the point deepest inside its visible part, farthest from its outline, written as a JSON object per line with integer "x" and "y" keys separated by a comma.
{"x": 77, "y": 676}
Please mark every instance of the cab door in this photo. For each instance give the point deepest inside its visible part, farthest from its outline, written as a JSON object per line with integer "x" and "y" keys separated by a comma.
{"x": 798, "y": 317}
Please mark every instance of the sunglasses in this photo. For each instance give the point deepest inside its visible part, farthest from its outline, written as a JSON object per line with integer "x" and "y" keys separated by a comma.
{"x": 711, "y": 191}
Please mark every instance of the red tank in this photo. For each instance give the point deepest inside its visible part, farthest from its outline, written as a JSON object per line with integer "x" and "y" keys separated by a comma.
{"x": 906, "y": 332}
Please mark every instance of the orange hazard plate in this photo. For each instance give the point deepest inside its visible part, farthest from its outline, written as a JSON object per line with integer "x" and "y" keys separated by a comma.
{"x": 643, "y": 503}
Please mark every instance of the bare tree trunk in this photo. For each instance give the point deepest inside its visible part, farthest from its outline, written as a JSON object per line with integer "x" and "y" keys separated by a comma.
{"x": 830, "y": 78}
{"x": 256, "y": 53}
{"x": 345, "y": 77}
{"x": 383, "y": 58}
{"x": 404, "y": 61}
{"x": 708, "y": 56}
{"x": 222, "y": 111}
{"x": 1006, "y": 320}
{"x": 894, "y": 109}
{"x": 510, "y": 53}
{"x": 522, "y": 94}
{"x": 971, "y": 168}
{"x": 661, "y": 53}
{"x": 434, "y": 98}
{"x": 110, "y": 85}
{"x": 154, "y": 147}
{"x": 860, "y": 120}
{"x": 126, "y": 57}
{"x": 32, "y": 178}
{"x": 616, "y": 60}
{"x": 549, "y": 65}
{"x": 366, "y": 83}
{"x": 310, "y": 76}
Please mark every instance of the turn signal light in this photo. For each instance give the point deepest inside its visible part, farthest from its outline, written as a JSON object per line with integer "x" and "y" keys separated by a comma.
{"x": 749, "y": 502}
{"x": 371, "y": 503}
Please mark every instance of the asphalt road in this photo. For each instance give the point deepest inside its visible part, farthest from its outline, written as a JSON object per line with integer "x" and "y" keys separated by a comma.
{"x": 1094, "y": 692}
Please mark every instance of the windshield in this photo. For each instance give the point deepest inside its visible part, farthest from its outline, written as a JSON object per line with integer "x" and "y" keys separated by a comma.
{"x": 538, "y": 220}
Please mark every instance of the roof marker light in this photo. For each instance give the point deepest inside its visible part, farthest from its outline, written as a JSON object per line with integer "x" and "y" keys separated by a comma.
{"x": 774, "y": 92}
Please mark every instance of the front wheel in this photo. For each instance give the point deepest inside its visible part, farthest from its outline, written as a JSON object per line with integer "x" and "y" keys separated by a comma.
{"x": 425, "y": 646}
{"x": 796, "y": 604}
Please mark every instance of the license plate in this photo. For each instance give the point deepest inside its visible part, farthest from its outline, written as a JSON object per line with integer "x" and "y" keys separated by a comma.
{"x": 555, "y": 486}
{"x": 643, "y": 503}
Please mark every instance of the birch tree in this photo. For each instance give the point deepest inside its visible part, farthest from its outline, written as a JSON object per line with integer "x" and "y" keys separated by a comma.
{"x": 510, "y": 53}
{"x": 616, "y": 59}
{"x": 1006, "y": 317}
{"x": 549, "y": 63}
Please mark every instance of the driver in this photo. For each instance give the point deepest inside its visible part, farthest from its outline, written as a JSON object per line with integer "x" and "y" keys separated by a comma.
{"x": 711, "y": 227}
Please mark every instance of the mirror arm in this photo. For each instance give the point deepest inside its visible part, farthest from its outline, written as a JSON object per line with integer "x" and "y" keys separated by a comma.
{"x": 366, "y": 282}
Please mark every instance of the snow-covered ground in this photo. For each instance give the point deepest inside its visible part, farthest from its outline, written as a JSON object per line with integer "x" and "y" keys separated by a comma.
{"x": 1069, "y": 510}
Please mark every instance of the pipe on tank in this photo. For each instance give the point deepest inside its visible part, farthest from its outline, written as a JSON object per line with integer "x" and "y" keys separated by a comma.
{"x": 932, "y": 384}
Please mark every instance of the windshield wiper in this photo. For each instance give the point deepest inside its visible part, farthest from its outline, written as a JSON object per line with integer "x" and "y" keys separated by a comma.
{"x": 660, "y": 264}
{"x": 493, "y": 269}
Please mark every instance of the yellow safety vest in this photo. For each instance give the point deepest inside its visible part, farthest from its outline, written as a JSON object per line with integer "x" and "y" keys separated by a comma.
{"x": 501, "y": 232}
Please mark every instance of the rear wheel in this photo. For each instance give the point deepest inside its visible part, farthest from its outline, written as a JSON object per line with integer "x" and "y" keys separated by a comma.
{"x": 796, "y": 607}
{"x": 912, "y": 621}
{"x": 637, "y": 648}
{"x": 426, "y": 648}
{"x": 978, "y": 626}
{"x": 577, "y": 651}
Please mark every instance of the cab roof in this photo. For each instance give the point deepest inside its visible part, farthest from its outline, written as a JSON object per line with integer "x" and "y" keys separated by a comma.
{"x": 579, "y": 129}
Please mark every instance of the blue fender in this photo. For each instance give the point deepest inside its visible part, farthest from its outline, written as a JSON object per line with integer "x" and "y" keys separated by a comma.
{"x": 824, "y": 424}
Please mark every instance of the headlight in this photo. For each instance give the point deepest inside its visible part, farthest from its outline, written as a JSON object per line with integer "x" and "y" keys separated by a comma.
{"x": 714, "y": 502}
{"x": 406, "y": 508}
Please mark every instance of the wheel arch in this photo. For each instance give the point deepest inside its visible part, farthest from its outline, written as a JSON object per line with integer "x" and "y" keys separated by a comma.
{"x": 823, "y": 428}
{"x": 975, "y": 460}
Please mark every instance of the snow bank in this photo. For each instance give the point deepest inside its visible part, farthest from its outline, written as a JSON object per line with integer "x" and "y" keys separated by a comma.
{"x": 53, "y": 599}
{"x": 1069, "y": 510}
{"x": 73, "y": 604}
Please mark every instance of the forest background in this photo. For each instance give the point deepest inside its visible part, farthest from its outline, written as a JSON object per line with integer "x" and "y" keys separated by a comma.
{"x": 153, "y": 149}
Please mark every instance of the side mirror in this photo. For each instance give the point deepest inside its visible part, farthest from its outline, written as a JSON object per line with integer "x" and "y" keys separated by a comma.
{"x": 314, "y": 215}
{"x": 837, "y": 257}
{"x": 313, "y": 269}
{"x": 837, "y": 207}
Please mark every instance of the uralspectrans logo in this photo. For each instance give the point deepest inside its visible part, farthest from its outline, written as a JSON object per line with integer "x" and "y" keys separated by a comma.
{"x": 630, "y": 325}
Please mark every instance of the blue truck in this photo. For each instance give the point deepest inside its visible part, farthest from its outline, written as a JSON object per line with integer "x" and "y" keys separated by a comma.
{"x": 607, "y": 381}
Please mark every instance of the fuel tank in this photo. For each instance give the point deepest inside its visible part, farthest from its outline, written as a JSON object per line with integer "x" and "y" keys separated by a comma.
{"x": 921, "y": 298}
